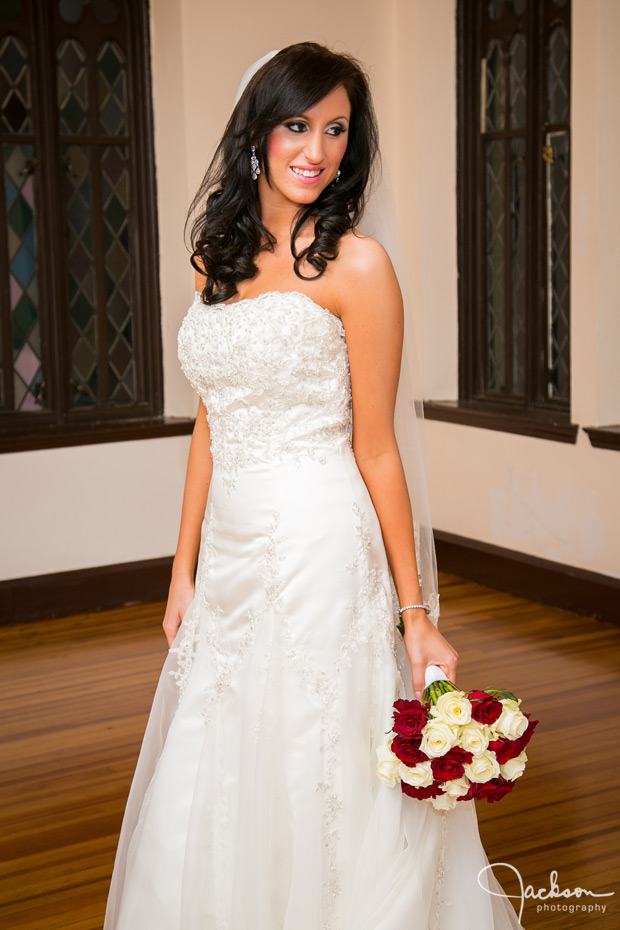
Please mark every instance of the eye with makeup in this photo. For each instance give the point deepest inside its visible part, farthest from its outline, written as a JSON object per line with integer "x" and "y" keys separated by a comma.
{"x": 298, "y": 126}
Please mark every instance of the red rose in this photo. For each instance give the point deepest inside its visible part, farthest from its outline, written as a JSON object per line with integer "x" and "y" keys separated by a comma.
{"x": 421, "y": 793}
{"x": 485, "y": 708}
{"x": 527, "y": 735}
{"x": 504, "y": 749}
{"x": 408, "y": 751}
{"x": 501, "y": 788}
{"x": 478, "y": 695}
{"x": 478, "y": 791}
{"x": 450, "y": 765}
{"x": 493, "y": 790}
{"x": 410, "y": 718}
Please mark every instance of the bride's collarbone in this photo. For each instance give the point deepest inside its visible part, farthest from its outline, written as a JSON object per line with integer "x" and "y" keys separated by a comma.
{"x": 321, "y": 291}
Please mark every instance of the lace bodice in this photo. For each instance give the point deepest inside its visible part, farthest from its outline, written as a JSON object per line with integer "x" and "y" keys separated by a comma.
{"x": 273, "y": 373}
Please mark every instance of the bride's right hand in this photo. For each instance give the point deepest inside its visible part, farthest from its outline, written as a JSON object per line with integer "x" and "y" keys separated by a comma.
{"x": 180, "y": 596}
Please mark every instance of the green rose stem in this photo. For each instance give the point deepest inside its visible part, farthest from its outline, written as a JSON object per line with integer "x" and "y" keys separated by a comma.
{"x": 436, "y": 689}
{"x": 499, "y": 694}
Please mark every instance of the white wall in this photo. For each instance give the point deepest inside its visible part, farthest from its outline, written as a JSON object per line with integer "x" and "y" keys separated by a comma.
{"x": 102, "y": 504}
{"x": 118, "y": 502}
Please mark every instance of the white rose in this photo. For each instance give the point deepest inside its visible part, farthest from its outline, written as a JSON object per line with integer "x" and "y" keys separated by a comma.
{"x": 443, "y": 802}
{"x": 454, "y": 708}
{"x": 437, "y": 738}
{"x": 511, "y": 723}
{"x": 457, "y": 787}
{"x": 474, "y": 737}
{"x": 388, "y": 766}
{"x": 514, "y": 767}
{"x": 483, "y": 767}
{"x": 419, "y": 775}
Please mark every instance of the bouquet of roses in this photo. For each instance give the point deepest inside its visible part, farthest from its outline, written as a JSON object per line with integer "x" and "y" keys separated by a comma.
{"x": 454, "y": 746}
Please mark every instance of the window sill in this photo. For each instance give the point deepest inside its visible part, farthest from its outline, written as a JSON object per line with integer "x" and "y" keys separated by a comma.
{"x": 88, "y": 433}
{"x": 604, "y": 437}
{"x": 505, "y": 422}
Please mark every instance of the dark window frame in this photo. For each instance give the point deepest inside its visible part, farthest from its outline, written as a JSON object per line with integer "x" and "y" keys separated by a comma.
{"x": 62, "y": 424}
{"x": 536, "y": 415}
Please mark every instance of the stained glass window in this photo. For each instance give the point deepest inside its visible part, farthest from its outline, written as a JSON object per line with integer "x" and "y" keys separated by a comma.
{"x": 121, "y": 365}
{"x": 97, "y": 188}
{"x": 72, "y": 88}
{"x": 514, "y": 141}
{"x": 112, "y": 83}
{"x": 75, "y": 341}
{"x": 81, "y": 271}
{"x": 15, "y": 86}
{"x": 494, "y": 87}
{"x": 503, "y": 126}
{"x": 557, "y": 212}
{"x": 20, "y": 383}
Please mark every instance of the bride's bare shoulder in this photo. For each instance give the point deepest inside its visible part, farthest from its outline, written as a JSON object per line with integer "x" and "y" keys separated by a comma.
{"x": 363, "y": 263}
{"x": 363, "y": 269}
{"x": 362, "y": 254}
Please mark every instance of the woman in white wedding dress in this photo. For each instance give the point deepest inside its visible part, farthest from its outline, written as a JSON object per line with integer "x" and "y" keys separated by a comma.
{"x": 256, "y": 804}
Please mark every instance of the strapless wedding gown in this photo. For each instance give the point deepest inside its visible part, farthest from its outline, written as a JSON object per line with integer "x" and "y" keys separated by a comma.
{"x": 255, "y": 804}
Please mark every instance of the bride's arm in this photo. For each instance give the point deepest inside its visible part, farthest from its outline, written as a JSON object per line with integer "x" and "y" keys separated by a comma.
{"x": 371, "y": 308}
{"x": 198, "y": 477}
{"x": 197, "y": 480}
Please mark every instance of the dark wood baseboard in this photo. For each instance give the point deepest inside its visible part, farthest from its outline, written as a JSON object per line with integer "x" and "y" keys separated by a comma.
{"x": 85, "y": 590}
{"x": 540, "y": 580}
{"x": 108, "y": 586}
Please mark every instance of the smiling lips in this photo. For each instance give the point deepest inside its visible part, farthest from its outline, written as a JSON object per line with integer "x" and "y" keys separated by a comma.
{"x": 307, "y": 175}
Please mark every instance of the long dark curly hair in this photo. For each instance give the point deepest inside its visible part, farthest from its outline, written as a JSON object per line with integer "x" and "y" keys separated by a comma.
{"x": 227, "y": 232}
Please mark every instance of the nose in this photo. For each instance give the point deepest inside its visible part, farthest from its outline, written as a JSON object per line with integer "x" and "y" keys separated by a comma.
{"x": 313, "y": 148}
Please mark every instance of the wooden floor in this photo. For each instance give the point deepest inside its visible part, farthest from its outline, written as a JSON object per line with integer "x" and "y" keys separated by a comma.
{"x": 77, "y": 691}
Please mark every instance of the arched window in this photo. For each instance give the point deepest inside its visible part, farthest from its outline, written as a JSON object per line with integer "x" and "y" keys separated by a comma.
{"x": 80, "y": 346}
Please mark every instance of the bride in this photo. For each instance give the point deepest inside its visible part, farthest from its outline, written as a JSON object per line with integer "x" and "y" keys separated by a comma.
{"x": 256, "y": 804}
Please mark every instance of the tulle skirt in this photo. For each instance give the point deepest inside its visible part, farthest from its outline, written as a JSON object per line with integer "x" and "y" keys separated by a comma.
{"x": 255, "y": 803}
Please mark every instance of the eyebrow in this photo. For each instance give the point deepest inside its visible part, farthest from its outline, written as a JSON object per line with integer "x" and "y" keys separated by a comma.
{"x": 346, "y": 119}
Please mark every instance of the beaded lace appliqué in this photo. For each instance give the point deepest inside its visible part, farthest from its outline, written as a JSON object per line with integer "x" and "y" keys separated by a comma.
{"x": 441, "y": 872}
{"x": 273, "y": 372}
{"x": 189, "y": 633}
{"x": 372, "y": 613}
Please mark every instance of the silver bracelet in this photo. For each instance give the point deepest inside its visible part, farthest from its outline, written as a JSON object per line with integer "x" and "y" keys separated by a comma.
{"x": 424, "y": 607}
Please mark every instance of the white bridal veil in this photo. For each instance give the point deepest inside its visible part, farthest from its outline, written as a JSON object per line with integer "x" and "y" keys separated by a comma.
{"x": 379, "y": 221}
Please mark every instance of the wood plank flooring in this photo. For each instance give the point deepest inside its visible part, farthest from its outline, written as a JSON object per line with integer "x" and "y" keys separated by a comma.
{"x": 76, "y": 695}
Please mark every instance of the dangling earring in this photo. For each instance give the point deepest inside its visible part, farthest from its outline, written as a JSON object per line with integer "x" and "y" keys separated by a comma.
{"x": 337, "y": 178}
{"x": 254, "y": 165}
